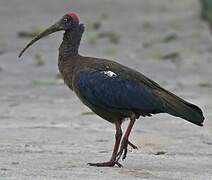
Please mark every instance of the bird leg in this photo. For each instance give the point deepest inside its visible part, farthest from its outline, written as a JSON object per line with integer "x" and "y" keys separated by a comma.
{"x": 112, "y": 161}
{"x": 125, "y": 142}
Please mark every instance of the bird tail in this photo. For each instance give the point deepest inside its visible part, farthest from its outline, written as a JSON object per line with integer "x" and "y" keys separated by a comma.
{"x": 176, "y": 106}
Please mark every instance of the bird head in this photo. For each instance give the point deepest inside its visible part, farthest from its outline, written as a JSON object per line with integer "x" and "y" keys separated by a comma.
{"x": 68, "y": 22}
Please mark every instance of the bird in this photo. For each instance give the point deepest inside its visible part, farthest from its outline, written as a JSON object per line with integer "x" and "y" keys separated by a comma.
{"x": 111, "y": 90}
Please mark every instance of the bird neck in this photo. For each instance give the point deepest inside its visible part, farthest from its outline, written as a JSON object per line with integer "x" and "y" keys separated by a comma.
{"x": 71, "y": 42}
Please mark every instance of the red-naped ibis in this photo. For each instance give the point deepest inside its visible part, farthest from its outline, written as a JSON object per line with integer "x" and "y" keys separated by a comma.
{"x": 111, "y": 90}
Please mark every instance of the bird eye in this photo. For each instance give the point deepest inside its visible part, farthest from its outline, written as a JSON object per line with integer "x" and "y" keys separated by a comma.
{"x": 67, "y": 20}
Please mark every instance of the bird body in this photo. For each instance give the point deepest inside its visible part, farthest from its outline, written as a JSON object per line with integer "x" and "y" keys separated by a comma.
{"x": 104, "y": 84}
{"x": 113, "y": 91}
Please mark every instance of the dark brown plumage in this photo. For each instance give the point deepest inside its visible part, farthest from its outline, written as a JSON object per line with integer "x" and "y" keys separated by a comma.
{"x": 113, "y": 91}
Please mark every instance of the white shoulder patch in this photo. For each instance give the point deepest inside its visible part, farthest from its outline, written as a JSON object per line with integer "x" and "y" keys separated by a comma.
{"x": 110, "y": 73}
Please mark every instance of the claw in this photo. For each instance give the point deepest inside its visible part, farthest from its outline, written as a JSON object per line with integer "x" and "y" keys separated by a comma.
{"x": 106, "y": 164}
{"x": 125, "y": 154}
{"x": 123, "y": 150}
{"x": 132, "y": 145}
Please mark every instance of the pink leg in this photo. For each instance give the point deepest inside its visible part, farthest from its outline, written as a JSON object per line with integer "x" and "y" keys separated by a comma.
{"x": 113, "y": 160}
{"x": 125, "y": 142}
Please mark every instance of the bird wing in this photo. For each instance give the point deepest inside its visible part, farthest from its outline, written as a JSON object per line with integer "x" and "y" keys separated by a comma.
{"x": 106, "y": 89}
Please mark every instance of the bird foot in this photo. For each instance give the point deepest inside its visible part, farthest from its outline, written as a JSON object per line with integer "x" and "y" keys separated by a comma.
{"x": 106, "y": 164}
{"x": 123, "y": 150}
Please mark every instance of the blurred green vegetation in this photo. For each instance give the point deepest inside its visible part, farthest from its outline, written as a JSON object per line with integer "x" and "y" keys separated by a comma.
{"x": 166, "y": 56}
{"x": 87, "y": 113}
{"x": 206, "y": 9}
{"x": 30, "y": 33}
{"x": 38, "y": 60}
{"x": 95, "y": 32}
{"x": 149, "y": 41}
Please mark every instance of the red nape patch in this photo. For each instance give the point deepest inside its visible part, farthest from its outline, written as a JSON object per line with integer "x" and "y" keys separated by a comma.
{"x": 74, "y": 16}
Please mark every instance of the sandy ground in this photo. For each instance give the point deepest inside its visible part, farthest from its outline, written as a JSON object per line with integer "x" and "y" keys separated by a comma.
{"x": 43, "y": 134}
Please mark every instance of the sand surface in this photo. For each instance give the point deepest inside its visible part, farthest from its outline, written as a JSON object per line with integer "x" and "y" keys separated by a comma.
{"x": 43, "y": 133}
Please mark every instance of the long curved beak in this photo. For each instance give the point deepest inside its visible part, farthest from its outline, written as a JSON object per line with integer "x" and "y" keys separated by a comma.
{"x": 56, "y": 27}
